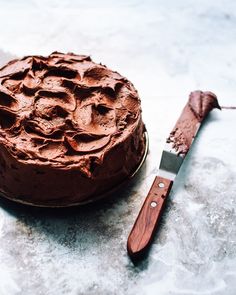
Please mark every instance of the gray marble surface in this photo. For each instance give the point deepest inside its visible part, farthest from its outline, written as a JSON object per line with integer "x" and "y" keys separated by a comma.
{"x": 166, "y": 48}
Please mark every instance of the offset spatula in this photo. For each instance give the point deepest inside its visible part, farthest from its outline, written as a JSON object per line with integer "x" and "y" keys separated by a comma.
{"x": 177, "y": 146}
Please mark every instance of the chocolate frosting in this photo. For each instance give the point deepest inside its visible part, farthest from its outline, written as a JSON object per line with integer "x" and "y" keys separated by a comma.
{"x": 201, "y": 103}
{"x": 197, "y": 108}
{"x": 70, "y": 129}
{"x": 64, "y": 110}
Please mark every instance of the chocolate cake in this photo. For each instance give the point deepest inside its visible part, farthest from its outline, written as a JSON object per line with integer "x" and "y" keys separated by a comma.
{"x": 70, "y": 129}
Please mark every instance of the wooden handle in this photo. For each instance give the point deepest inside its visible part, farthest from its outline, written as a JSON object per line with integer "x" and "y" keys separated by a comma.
{"x": 149, "y": 215}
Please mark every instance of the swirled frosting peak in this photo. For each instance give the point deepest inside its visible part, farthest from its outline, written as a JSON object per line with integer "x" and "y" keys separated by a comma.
{"x": 64, "y": 110}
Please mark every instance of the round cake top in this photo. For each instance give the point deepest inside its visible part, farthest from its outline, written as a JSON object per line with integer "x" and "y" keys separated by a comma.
{"x": 64, "y": 110}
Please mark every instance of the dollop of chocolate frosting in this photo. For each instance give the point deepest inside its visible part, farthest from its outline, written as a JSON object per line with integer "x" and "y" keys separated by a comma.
{"x": 201, "y": 103}
{"x": 64, "y": 110}
{"x": 197, "y": 108}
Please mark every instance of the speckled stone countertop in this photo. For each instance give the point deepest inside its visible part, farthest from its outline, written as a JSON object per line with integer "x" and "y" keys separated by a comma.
{"x": 167, "y": 49}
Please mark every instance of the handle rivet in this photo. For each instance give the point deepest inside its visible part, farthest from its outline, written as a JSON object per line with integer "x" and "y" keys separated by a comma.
{"x": 161, "y": 184}
{"x": 153, "y": 204}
